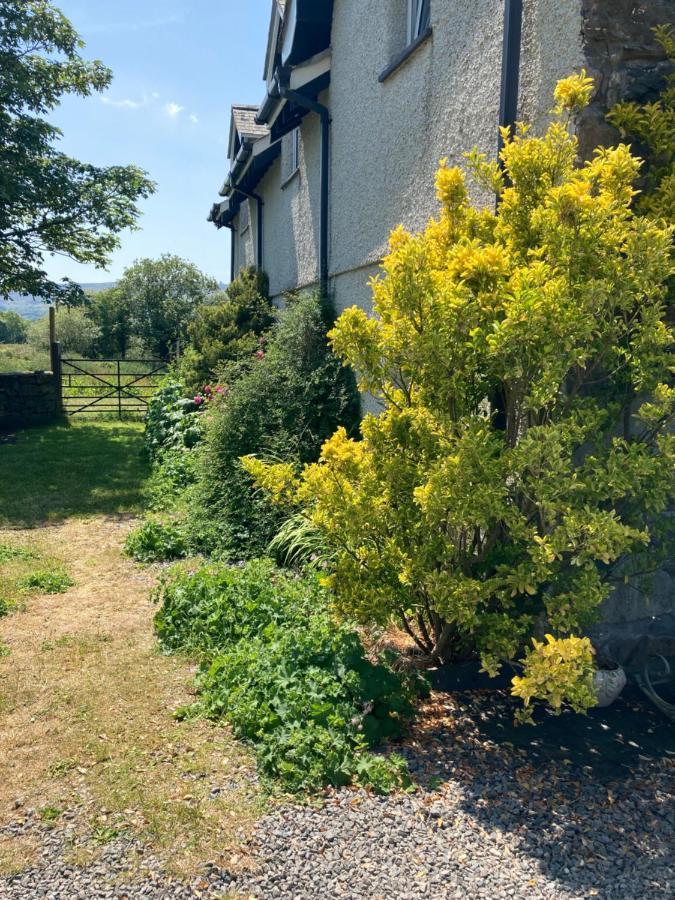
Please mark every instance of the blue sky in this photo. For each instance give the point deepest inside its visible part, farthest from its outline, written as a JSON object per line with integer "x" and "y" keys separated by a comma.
{"x": 178, "y": 66}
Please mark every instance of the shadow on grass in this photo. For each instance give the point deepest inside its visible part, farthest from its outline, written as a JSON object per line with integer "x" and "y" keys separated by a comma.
{"x": 79, "y": 469}
{"x": 588, "y": 798}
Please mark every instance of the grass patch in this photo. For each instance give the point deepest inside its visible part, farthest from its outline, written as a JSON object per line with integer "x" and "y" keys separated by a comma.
{"x": 25, "y": 570}
{"x": 23, "y": 358}
{"x": 52, "y": 581}
{"x": 76, "y": 469}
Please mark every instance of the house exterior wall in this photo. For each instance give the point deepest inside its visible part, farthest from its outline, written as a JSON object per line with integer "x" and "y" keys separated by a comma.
{"x": 291, "y": 214}
{"x": 387, "y": 138}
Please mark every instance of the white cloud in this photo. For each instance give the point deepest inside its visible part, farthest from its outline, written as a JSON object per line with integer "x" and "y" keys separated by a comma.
{"x": 193, "y": 118}
{"x": 122, "y": 104}
{"x": 173, "y": 110}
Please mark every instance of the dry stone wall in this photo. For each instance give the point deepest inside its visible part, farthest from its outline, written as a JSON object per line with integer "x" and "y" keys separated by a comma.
{"x": 28, "y": 398}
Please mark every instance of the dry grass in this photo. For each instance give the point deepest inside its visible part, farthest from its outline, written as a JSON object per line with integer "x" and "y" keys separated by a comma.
{"x": 86, "y": 708}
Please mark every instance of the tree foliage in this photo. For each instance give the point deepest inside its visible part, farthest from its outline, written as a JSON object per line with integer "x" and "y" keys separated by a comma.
{"x": 555, "y": 304}
{"x": 162, "y": 296}
{"x": 49, "y": 202}
{"x": 653, "y": 124}
{"x": 13, "y": 328}
{"x": 227, "y": 328}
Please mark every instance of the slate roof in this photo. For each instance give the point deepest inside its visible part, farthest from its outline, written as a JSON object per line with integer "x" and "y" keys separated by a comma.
{"x": 244, "y": 120}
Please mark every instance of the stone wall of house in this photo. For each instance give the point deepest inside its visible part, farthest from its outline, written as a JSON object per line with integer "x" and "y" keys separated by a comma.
{"x": 622, "y": 56}
{"x": 28, "y": 398}
{"x": 627, "y": 64}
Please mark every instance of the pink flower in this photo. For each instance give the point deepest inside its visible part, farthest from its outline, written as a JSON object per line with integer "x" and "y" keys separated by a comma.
{"x": 260, "y": 354}
{"x": 220, "y": 389}
{"x": 199, "y": 400}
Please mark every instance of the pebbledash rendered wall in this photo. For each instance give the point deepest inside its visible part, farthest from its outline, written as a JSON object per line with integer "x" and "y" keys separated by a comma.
{"x": 387, "y": 138}
{"x": 28, "y": 398}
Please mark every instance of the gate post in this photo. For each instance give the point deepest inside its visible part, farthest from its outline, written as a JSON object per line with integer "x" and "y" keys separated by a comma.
{"x": 55, "y": 358}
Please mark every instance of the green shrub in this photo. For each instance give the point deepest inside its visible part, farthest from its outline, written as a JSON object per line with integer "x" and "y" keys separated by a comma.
{"x": 173, "y": 422}
{"x": 287, "y": 403}
{"x": 285, "y": 676}
{"x": 227, "y": 328}
{"x": 155, "y": 542}
{"x": 172, "y": 474}
{"x": 13, "y": 328}
{"x": 48, "y": 581}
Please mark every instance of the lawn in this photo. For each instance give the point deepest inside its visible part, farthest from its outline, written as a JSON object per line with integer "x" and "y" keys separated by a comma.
{"x": 76, "y": 469}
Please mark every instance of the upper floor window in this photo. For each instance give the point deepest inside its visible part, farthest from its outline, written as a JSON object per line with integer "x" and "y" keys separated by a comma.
{"x": 295, "y": 150}
{"x": 418, "y": 18}
{"x": 244, "y": 217}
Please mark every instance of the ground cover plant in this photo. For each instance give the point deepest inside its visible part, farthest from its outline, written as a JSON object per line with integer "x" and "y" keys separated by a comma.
{"x": 523, "y": 461}
{"x": 155, "y": 541}
{"x": 285, "y": 675}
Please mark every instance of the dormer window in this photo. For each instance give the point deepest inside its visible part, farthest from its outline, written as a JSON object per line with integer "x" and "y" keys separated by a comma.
{"x": 418, "y": 18}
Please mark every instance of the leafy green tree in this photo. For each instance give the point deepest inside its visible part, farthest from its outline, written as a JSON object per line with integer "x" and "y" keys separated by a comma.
{"x": 459, "y": 529}
{"x": 162, "y": 296}
{"x": 49, "y": 202}
{"x": 653, "y": 125}
{"x": 13, "y": 328}
{"x": 76, "y": 332}
{"x": 227, "y": 328}
{"x": 111, "y": 313}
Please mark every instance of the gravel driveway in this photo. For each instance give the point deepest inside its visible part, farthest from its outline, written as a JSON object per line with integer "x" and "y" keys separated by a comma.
{"x": 491, "y": 820}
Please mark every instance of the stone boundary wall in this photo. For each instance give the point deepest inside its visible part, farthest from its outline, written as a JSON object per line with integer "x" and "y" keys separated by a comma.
{"x": 28, "y": 398}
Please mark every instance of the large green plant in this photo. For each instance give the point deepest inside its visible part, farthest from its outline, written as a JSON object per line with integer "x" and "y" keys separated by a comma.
{"x": 228, "y": 328}
{"x": 493, "y": 521}
{"x": 286, "y": 403}
{"x": 50, "y": 202}
{"x": 13, "y": 328}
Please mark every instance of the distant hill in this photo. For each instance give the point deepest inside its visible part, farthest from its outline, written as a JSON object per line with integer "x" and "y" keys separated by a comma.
{"x": 33, "y": 307}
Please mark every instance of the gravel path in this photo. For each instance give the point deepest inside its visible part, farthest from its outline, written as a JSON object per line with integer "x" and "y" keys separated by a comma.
{"x": 489, "y": 823}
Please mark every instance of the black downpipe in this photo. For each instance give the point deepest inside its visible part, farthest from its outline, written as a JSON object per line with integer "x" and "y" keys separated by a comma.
{"x": 324, "y": 115}
{"x": 508, "y": 112}
{"x": 231, "y": 227}
{"x": 513, "y": 29}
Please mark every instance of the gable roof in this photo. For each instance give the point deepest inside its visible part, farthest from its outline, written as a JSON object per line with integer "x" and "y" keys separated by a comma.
{"x": 243, "y": 116}
{"x": 244, "y": 128}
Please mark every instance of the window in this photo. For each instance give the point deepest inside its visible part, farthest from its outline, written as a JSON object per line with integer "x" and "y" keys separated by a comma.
{"x": 295, "y": 150}
{"x": 418, "y": 18}
{"x": 244, "y": 217}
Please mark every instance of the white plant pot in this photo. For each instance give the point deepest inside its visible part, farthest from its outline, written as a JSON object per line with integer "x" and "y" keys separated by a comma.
{"x": 608, "y": 684}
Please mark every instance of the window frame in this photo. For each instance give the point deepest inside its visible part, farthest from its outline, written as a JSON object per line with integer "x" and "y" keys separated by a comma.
{"x": 295, "y": 151}
{"x": 419, "y": 18}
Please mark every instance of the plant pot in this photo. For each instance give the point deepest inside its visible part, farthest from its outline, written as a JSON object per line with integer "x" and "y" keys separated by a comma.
{"x": 608, "y": 684}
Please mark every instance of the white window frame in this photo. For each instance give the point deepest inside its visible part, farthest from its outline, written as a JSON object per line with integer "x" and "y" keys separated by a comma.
{"x": 416, "y": 16}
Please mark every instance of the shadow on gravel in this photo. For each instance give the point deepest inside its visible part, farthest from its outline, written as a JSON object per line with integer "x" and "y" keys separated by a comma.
{"x": 589, "y": 799}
